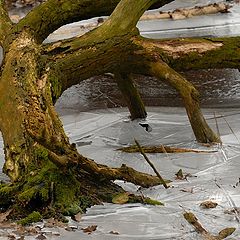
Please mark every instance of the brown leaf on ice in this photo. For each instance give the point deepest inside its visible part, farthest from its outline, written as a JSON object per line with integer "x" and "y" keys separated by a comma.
{"x": 41, "y": 237}
{"x": 11, "y": 237}
{"x": 179, "y": 175}
{"x": 51, "y": 222}
{"x": 78, "y": 217}
{"x": 208, "y": 204}
{"x": 89, "y": 229}
{"x": 232, "y": 211}
{"x": 189, "y": 190}
{"x": 114, "y": 232}
{"x": 226, "y": 232}
{"x": 4, "y": 215}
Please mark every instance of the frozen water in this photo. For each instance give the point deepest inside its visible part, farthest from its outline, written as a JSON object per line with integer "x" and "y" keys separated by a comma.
{"x": 215, "y": 175}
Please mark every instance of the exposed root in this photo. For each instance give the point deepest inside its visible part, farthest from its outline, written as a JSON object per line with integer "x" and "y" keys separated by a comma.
{"x": 161, "y": 149}
{"x": 54, "y": 192}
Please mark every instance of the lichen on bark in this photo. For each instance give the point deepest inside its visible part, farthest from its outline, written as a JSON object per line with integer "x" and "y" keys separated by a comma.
{"x": 47, "y": 173}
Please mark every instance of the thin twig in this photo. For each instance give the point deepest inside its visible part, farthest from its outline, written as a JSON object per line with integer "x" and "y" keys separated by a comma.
{"x": 52, "y": 194}
{"x": 164, "y": 150}
{"x": 151, "y": 164}
{"x": 218, "y": 132}
{"x": 231, "y": 129}
{"x": 222, "y": 116}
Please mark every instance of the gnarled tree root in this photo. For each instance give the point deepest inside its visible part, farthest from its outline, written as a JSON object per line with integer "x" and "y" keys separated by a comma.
{"x": 54, "y": 192}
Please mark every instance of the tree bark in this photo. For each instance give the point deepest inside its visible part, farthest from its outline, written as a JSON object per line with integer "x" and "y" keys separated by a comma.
{"x": 38, "y": 154}
{"x": 131, "y": 96}
{"x": 39, "y": 158}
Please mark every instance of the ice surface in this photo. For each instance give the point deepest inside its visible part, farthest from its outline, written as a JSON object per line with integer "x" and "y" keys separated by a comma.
{"x": 215, "y": 175}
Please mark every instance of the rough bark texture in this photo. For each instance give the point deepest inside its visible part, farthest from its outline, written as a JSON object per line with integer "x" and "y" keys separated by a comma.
{"x": 131, "y": 96}
{"x": 39, "y": 159}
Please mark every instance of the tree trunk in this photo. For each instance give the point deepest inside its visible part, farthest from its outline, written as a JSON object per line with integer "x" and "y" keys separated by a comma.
{"x": 47, "y": 172}
{"x": 131, "y": 96}
{"x": 39, "y": 159}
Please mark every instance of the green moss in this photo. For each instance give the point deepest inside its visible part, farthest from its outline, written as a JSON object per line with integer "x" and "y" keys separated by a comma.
{"x": 41, "y": 153}
{"x": 225, "y": 56}
{"x": 6, "y": 193}
{"x": 31, "y": 218}
{"x": 73, "y": 209}
{"x": 150, "y": 201}
{"x": 56, "y": 86}
{"x": 27, "y": 195}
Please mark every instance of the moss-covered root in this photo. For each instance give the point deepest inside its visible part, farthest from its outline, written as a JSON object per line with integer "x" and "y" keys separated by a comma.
{"x": 31, "y": 218}
{"x": 49, "y": 192}
{"x": 190, "y": 96}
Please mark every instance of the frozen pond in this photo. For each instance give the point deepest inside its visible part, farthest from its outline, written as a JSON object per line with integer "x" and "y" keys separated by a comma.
{"x": 100, "y": 131}
{"x": 214, "y": 175}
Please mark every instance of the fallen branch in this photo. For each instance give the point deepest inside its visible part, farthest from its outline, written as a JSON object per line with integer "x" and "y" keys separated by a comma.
{"x": 191, "y": 218}
{"x": 161, "y": 149}
{"x": 179, "y": 14}
{"x": 151, "y": 164}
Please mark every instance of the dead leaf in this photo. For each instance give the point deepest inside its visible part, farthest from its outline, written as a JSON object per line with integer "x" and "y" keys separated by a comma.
{"x": 113, "y": 232}
{"x": 89, "y": 229}
{"x": 11, "y": 237}
{"x": 179, "y": 174}
{"x": 4, "y": 215}
{"x": 121, "y": 198}
{"x": 51, "y": 222}
{"x": 189, "y": 190}
{"x": 226, "y": 232}
{"x": 41, "y": 237}
{"x": 232, "y": 211}
{"x": 78, "y": 217}
{"x": 208, "y": 204}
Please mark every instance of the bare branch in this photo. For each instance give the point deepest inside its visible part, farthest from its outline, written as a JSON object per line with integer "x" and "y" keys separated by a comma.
{"x": 51, "y": 15}
{"x": 126, "y": 15}
{"x": 196, "y": 53}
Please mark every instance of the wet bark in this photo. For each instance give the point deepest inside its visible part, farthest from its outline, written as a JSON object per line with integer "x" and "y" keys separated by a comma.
{"x": 39, "y": 158}
{"x": 131, "y": 96}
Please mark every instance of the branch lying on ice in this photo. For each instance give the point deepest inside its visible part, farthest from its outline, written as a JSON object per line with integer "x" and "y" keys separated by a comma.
{"x": 191, "y": 218}
{"x": 188, "y": 12}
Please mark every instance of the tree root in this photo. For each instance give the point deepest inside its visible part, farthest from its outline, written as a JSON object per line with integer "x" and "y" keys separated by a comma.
{"x": 53, "y": 192}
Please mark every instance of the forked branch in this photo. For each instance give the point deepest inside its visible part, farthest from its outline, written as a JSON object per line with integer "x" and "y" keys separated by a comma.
{"x": 46, "y": 18}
